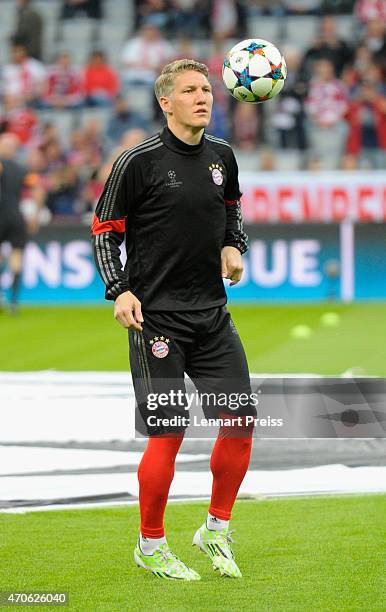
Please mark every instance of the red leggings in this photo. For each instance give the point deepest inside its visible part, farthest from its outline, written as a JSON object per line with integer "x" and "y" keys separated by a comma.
{"x": 229, "y": 462}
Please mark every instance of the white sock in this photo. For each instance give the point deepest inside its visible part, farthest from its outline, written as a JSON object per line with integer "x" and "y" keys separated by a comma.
{"x": 215, "y": 524}
{"x": 148, "y": 545}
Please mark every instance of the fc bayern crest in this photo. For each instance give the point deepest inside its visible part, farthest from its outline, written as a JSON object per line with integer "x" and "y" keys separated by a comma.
{"x": 159, "y": 347}
{"x": 217, "y": 175}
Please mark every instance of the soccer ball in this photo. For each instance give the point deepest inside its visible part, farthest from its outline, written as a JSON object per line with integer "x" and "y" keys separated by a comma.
{"x": 254, "y": 70}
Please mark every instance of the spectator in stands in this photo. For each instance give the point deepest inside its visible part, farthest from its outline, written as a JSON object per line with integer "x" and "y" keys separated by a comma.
{"x": 34, "y": 197}
{"x": 349, "y": 162}
{"x": 328, "y": 46}
{"x": 224, "y": 18}
{"x": 219, "y": 124}
{"x": 289, "y": 116}
{"x": 64, "y": 190}
{"x": 122, "y": 120}
{"x": 375, "y": 40}
{"x": 48, "y": 133}
{"x": 76, "y": 153}
{"x": 29, "y": 28}
{"x": 215, "y": 60}
{"x": 80, "y": 8}
{"x": 367, "y": 121}
{"x": 368, "y": 10}
{"x": 190, "y": 18}
{"x": 132, "y": 138}
{"x": 363, "y": 60}
{"x": 101, "y": 81}
{"x": 92, "y": 9}
{"x": 143, "y": 55}
{"x": 91, "y": 192}
{"x": 64, "y": 84}
{"x": 220, "y": 121}
{"x": 93, "y": 138}
{"x": 265, "y": 7}
{"x": 85, "y": 151}
{"x": 314, "y": 164}
{"x": 24, "y": 76}
{"x": 94, "y": 186}
{"x": 326, "y": 107}
{"x": 245, "y": 126}
{"x": 54, "y": 155}
{"x": 267, "y": 160}
{"x": 302, "y": 7}
{"x": 18, "y": 119}
{"x": 157, "y": 12}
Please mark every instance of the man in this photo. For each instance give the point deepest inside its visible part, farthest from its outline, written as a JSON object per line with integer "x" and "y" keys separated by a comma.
{"x": 176, "y": 199}
{"x": 122, "y": 120}
{"x": 24, "y": 76}
{"x": 29, "y": 28}
{"x": 326, "y": 107}
{"x": 64, "y": 84}
{"x": 13, "y": 178}
{"x": 142, "y": 55}
{"x": 100, "y": 80}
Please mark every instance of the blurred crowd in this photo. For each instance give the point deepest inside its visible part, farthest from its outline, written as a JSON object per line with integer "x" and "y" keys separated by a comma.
{"x": 332, "y": 110}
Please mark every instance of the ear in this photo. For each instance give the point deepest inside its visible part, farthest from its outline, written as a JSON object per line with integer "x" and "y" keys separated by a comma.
{"x": 166, "y": 104}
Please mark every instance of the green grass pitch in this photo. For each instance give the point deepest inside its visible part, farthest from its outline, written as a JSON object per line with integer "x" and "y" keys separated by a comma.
{"x": 88, "y": 338}
{"x": 307, "y": 554}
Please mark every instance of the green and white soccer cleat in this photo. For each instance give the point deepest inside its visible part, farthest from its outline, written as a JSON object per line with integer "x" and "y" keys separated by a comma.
{"x": 217, "y": 545}
{"x": 164, "y": 564}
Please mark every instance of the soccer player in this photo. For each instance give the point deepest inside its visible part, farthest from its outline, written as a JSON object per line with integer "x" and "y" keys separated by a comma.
{"x": 175, "y": 199}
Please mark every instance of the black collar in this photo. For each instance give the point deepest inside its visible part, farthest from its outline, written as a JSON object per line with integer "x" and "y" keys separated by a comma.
{"x": 177, "y": 145}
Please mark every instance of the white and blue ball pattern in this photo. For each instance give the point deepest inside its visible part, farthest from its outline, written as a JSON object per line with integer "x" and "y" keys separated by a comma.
{"x": 254, "y": 71}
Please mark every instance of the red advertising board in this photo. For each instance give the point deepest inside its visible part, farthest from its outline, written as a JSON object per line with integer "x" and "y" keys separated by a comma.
{"x": 299, "y": 197}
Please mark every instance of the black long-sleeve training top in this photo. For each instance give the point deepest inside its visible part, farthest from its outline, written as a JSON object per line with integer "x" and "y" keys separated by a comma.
{"x": 177, "y": 205}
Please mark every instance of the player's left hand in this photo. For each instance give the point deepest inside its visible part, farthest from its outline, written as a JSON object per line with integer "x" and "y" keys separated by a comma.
{"x": 231, "y": 264}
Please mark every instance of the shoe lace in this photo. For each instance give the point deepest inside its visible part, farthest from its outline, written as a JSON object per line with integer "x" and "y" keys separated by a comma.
{"x": 227, "y": 539}
{"x": 169, "y": 557}
{"x": 228, "y": 536}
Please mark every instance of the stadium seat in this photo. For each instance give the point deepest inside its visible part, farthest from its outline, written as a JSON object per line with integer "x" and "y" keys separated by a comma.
{"x": 346, "y": 25}
{"x": 264, "y": 27}
{"x": 300, "y": 30}
{"x": 118, "y": 12}
{"x": 141, "y": 100}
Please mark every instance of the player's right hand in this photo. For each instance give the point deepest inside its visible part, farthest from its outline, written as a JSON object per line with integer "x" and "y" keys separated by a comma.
{"x": 127, "y": 311}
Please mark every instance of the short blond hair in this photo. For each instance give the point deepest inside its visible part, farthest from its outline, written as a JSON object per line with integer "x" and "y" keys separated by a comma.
{"x": 164, "y": 84}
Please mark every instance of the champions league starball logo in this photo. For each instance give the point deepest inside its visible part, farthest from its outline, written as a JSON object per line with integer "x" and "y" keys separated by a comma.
{"x": 217, "y": 173}
{"x": 159, "y": 347}
{"x": 172, "y": 180}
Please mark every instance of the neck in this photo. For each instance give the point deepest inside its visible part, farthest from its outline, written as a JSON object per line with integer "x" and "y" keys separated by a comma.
{"x": 189, "y": 135}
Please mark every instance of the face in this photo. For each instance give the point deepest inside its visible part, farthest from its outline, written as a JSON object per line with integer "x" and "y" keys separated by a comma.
{"x": 190, "y": 104}
{"x": 8, "y": 146}
{"x": 64, "y": 60}
{"x": 324, "y": 70}
{"x": 328, "y": 26}
{"x": 150, "y": 33}
{"x": 18, "y": 53}
{"x": 121, "y": 105}
{"x": 97, "y": 59}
